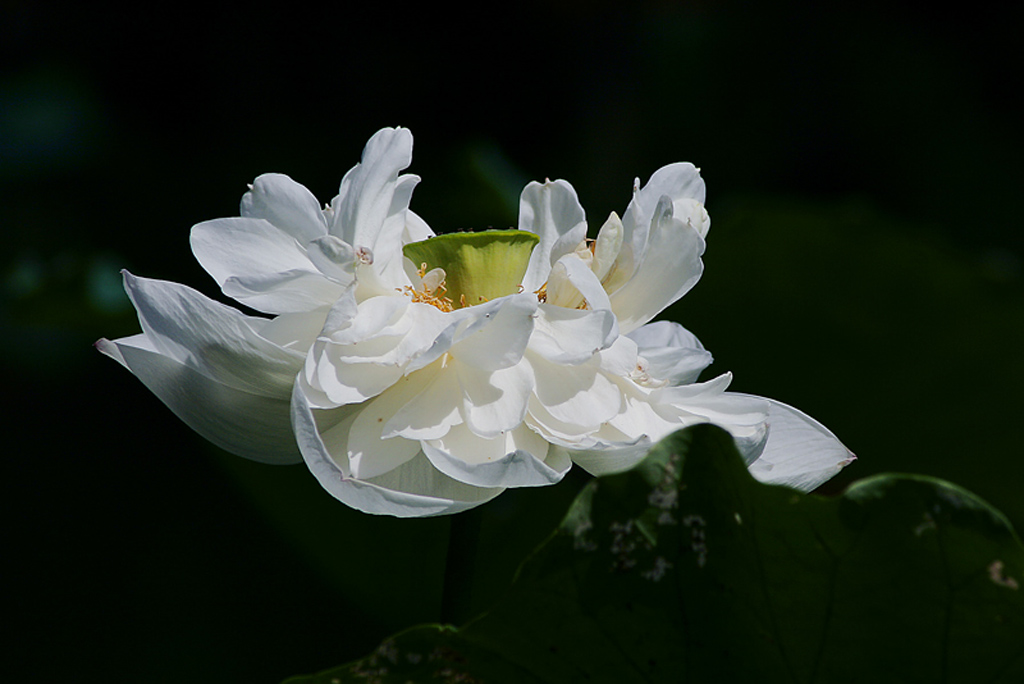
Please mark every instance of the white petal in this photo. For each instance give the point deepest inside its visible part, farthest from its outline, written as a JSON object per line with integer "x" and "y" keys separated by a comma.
{"x": 416, "y": 229}
{"x": 743, "y": 416}
{"x": 215, "y": 339}
{"x": 284, "y": 292}
{"x": 334, "y": 258}
{"x": 678, "y": 182}
{"x": 606, "y": 251}
{"x": 368, "y": 453}
{"x": 295, "y": 331}
{"x": 552, "y": 211}
{"x": 415, "y": 489}
{"x": 800, "y": 452}
{"x": 371, "y": 350}
{"x": 578, "y": 395}
{"x": 673, "y": 353}
{"x": 493, "y": 401}
{"x": 370, "y": 209}
{"x": 608, "y": 459}
{"x": 671, "y": 266}
{"x": 494, "y": 335}
{"x": 246, "y": 424}
{"x": 639, "y": 417}
{"x": 433, "y": 398}
{"x": 519, "y": 459}
{"x": 571, "y": 336}
{"x": 336, "y": 382}
{"x": 286, "y": 204}
{"x": 250, "y": 250}
{"x": 571, "y": 283}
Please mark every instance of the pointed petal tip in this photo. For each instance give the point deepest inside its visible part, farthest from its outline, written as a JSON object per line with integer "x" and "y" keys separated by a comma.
{"x": 108, "y": 348}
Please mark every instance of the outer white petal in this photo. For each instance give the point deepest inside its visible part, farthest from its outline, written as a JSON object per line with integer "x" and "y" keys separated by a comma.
{"x": 416, "y": 229}
{"x": 743, "y": 416}
{"x": 611, "y": 457}
{"x": 671, "y": 266}
{"x": 678, "y": 182}
{"x": 800, "y": 452}
{"x": 286, "y": 204}
{"x": 246, "y": 424}
{"x": 519, "y": 459}
{"x": 215, "y": 339}
{"x": 371, "y": 209}
{"x": 295, "y": 331}
{"x": 251, "y": 251}
{"x": 297, "y": 290}
{"x": 552, "y": 211}
{"x": 672, "y": 352}
{"x": 415, "y": 489}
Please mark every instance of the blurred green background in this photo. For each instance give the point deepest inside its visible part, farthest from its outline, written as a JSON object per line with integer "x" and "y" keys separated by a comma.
{"x": 864, "y": 264}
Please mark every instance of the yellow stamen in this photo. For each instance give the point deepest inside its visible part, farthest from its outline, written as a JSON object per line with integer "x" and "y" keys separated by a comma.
{"x": 542, "y": 292}
{"x": 432, "y": 296}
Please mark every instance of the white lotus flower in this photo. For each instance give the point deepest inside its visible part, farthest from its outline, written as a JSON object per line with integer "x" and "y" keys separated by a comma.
{"x": 420, "y": 375}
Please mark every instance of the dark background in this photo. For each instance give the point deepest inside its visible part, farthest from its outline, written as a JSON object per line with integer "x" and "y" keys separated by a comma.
{"x": 864, "y": 264}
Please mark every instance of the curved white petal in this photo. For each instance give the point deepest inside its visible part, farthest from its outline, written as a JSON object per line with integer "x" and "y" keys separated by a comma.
{"x": 415, "y": 489}
{"x": 677, "y": 182}
{"x": 371, "y": 207}
{"x": 284, "y": 292}
{"x": 493, "y": 401}
{"x": 361, "y": 440}
{"x": 246, "y": 424}
{"x": 572, "y": 283}
{"x": 552, "y": 211}
{"x": 288, "y": 205}
{"x": 248, "y": 249}
{"x": 610, "y": 458}
{"x": 294, "y": 331}
{"x": 577, "y": 395}
{"x": 800, "y": 452}
{"x": 518, "y": 459}
{"x": 743, "y": 416}
{"x": 672, "y": 352}
{"x": 494, "y": 335}
{"x": 215, "y": 339}
{"x": 571, "y": 336}
{"x": 335, "y": 258}
{"x": 370, "y": 351}
{"x": 671, "y": 266}
{"x": 416, "y": 229}
{"x": 337, "y": 383}
{"x": 429, "y": 403}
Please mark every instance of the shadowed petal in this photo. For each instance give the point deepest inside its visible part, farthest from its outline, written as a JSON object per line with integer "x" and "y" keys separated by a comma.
{"x": 800, "y": 452}
{"x": 415, "y": 489}
{"x": 246, "y": 424}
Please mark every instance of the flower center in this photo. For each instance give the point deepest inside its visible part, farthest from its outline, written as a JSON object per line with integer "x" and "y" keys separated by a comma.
{"x": 476, "y": 267}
